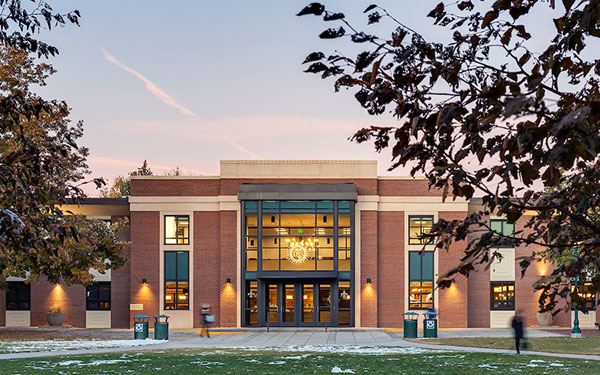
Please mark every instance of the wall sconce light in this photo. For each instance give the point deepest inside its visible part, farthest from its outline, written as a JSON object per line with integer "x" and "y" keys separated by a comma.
{"x": 228, "y": 281}
{"x": 272, "y": 219}
{"x": 324, "y": 219}
{"x": 368, "y": 280}
{"x": 144, "y": 281}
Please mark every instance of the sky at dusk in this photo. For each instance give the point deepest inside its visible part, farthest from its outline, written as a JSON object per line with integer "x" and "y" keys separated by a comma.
{"x": 189, "y": 83}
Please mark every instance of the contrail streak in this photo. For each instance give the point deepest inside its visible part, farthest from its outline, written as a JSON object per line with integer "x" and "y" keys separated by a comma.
{"x": 166, "y": 98}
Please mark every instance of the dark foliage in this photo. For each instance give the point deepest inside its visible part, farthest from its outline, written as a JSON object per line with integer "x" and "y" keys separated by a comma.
{"x": 490, "y": 112}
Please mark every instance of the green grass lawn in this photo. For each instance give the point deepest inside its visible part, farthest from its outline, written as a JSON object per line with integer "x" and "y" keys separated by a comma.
{"x": 587, "y": 345}
{"x": 246, "y": 362}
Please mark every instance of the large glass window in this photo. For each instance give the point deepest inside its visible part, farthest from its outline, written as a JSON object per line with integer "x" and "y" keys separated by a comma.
{"x": 502, "y": 229}
{"x": 297, "y": 235}
{"x": 502, "y": 295}
{"x": 177, "y": 230}
{"x": 18, "y": 296}
{"x": 344, "y": 298}
{"x": 417, "y": 227}
{"x": 586, "y": 293}
{"x": 97, "y": 296}
{"x": 176, "y": 280}
{"x": 420, "y": 280}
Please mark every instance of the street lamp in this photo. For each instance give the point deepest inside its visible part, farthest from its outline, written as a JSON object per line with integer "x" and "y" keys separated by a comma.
{"x": 576, "y": 331}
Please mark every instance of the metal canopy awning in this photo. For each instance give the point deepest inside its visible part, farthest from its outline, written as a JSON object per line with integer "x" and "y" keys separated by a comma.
{"x": 309, "y": 191}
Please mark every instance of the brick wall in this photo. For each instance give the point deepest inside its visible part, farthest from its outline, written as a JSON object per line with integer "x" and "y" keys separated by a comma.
{"x": 2, "y": 306}
{"x": 406, "y": 188}
{"x": 228, "y": 253}
{"x": 120, "y": 286}
{"x": 479, "y": 294}
{"x": 390, "y": 265}
{"x": 71, "y": 300}
{"x": 171, "y": 187}
{"x": 368, "y": 264}
{"x": 207, "y": 269}
{"x": 453, "y": 301}
{"x": 145, "y": 261}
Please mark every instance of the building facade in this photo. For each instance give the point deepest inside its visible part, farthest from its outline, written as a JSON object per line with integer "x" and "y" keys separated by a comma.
{"x": 286, "y": 243}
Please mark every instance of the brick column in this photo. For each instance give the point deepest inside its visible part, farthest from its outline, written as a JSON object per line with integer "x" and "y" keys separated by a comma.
{"x": 453, "y": 301}
{"x": 479, "y": 293}
{"x": 390, "y": 264}
{"x": 368, "y": 265}
{"x": 207, "y": 273}
{"x": 71, "y": 300}
{"x": 145, "y": 255}
{"x": 228, "y": 263}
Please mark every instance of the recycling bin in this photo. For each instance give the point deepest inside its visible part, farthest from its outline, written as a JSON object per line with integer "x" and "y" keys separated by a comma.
{"x": 410, "y": 325}
{"x": 161, "y": 328}
{"x": 430, "y": 325}
{"x": 140, "y": 327}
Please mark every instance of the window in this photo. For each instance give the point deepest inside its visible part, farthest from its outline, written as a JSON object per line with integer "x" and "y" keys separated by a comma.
{"x": 176, "y": 280}
{"x": 502, "y": 295}
{"x": 420, "y": 270}
{"x": 18, "y": 296}
{"x": 501, "y": 228}
{"x": 298, "y": 235}
{"x": 177, "y": 230}
{"x": 586, "y": 293}
{"x": 417, "y": 227}
{"x": 97, "y": 296}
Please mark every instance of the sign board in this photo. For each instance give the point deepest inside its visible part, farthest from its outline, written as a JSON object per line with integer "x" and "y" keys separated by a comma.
{"x": 138, "y": 327}
{"x": 430, "y": 324}
{"x": 136, "y": 306}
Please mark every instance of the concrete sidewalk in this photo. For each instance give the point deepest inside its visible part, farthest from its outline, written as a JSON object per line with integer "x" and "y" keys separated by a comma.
{"x": 282, "y": 338}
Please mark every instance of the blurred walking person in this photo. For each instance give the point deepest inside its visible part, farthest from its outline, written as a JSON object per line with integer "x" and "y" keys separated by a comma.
{"x": 206, "y": 319}
{"x": 517, "y": 325}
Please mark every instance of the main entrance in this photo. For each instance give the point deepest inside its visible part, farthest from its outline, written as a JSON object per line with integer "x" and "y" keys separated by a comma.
{"x": 306, "y": 303}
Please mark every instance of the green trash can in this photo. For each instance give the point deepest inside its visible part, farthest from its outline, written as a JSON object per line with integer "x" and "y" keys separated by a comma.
{"x": 161, "y": 328}
{"x": 410, "y": 325}
{"x": 430, "y": 325}
{"x": 140, "y": 327}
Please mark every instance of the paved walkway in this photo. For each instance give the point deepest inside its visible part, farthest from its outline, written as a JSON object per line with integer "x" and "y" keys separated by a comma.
{"x": 309, "y": 337}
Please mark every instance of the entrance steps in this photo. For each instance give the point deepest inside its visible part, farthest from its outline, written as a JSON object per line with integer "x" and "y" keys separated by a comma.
{"x": 296, "y": 329}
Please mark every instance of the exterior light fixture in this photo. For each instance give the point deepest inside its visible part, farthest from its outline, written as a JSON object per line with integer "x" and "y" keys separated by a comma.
{"x": 272, "y": 219}
{"x": 228, "y": 281}
{"x": 144, "y": 281}
{"x": 325, "y": 218}
{"x": 368, "y": 280}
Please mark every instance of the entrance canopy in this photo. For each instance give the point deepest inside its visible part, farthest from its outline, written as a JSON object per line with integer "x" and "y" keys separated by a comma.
{"x": 309, "y": 191}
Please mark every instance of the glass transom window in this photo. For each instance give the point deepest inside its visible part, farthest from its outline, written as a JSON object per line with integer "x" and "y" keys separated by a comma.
{"x": 177, "y": 230}
{"x": 297, "y": 235}
{"x": 417, "y": 227}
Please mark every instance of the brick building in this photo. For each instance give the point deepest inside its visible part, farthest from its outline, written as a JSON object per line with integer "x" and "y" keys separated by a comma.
{"x": 285, "y": 243}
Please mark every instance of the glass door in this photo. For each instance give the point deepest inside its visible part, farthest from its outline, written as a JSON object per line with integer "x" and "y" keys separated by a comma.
{"x": 288, "y": 307}
{"x": 308, "y": 304}
{"x": 272, "y": 305}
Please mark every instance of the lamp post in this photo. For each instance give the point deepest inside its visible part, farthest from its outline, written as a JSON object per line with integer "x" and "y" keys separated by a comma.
{"x": 576, "y": 331}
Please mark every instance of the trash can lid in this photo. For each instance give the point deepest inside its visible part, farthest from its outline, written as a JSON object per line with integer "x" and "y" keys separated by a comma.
{"x": 161, "y": 316}
{"x": 410, "y": 313}
{"x": 141, "y": 316}
{"x": 430, "y": 313}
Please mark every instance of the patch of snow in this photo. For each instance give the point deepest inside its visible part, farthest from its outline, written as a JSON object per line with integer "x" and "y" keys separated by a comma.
{"x": 276, "y": 363}
{"x": 69, "y": 363}
{"x": 337, "y": 370}
{"x": 57, "y": 345}
{"x": 340, "y": 349}
{"x": 556, "y": 364}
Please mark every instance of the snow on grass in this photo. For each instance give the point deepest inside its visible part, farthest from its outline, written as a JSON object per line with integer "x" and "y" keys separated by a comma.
{"x": 338, "y": 349}
{"x": 57, "y": 345}
{"x": 337, "y": 370}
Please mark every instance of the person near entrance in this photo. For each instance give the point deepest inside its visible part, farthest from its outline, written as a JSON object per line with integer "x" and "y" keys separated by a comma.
{"x": 207, "y": 319}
